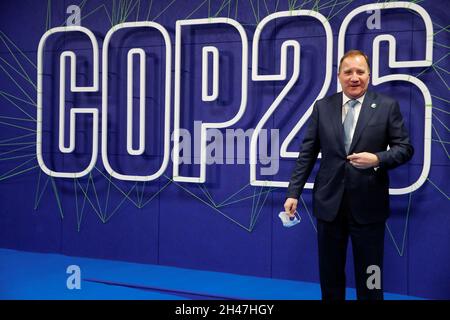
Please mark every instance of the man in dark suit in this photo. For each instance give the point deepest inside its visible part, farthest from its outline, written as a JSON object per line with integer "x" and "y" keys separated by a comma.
{"x": 352, "y": 129}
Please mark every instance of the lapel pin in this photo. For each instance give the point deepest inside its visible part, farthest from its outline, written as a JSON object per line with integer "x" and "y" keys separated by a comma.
{"x": 373, "y": 105}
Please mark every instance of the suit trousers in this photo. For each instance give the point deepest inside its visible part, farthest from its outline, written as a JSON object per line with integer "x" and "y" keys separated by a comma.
{"x": 368, "y": 247}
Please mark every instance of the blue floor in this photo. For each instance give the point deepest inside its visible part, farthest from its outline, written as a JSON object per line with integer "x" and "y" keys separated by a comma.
{"x": 26, "y": 275}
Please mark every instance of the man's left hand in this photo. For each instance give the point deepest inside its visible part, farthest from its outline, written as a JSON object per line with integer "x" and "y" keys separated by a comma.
{"x": 363, "y": 160}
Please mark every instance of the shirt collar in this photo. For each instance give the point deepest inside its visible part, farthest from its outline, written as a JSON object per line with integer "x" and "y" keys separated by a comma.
{"x": 345, "y": 98}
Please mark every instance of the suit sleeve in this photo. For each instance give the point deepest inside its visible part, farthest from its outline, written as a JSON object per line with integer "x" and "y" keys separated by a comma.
{"x": 308, "y": 154}
{"x": 401, "y": 149}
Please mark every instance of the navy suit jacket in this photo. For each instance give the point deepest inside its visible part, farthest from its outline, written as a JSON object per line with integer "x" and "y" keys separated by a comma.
{"x": 380, "y": 124}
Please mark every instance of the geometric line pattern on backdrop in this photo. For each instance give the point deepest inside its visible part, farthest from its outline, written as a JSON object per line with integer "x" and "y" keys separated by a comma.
{"x": 16, "y": 150}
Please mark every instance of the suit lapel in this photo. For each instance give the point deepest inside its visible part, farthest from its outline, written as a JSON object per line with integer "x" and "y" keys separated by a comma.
{"x": 364, "y": 116}
{"x": 336, "y": 117}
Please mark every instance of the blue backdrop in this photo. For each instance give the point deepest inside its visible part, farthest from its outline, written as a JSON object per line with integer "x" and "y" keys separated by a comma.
{"x": 224, "y": 224}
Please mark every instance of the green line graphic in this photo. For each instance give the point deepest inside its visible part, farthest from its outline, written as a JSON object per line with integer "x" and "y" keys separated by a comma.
{"x": 405, "y": 229}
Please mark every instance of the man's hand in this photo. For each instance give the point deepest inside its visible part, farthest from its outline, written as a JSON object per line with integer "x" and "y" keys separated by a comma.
{"x": 290, "y": 205}
{"x": 363, "y": 160}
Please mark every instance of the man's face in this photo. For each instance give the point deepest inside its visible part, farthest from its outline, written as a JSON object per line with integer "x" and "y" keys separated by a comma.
{"x": 354, "y": 76}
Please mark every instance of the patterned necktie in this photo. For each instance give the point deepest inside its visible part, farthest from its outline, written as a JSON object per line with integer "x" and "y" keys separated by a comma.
{"x": 349, "y": 123}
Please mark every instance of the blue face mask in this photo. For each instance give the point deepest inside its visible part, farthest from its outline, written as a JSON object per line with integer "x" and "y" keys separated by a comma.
{"x": 289, "y": 221}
